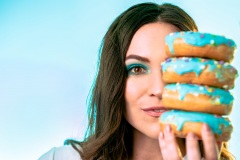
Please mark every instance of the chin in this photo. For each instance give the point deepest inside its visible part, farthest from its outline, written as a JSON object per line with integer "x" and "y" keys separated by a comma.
{"x": 153, "y": 132}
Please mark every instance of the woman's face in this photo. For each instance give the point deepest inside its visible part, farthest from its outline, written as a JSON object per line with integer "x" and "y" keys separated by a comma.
{"x": 144, "y": 85}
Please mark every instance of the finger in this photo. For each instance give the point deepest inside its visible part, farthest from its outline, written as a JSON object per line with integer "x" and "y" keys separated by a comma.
{"x": 168, "y": 144}
{"x": 209, "y": 143}
{"x": 193, "y": 151}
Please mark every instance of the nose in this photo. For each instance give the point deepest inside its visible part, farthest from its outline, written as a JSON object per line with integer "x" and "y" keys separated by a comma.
{"x": 156, "y": 85}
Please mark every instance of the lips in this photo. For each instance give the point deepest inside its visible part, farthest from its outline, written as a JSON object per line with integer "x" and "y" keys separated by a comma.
{"x": 154, "y": 111}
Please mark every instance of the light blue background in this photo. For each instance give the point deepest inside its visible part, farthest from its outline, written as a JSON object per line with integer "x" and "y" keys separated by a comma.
{"x": 48, "y": 54}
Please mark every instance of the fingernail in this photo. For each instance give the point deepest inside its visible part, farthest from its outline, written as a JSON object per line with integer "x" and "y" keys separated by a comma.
{"x": 168, "y": 129}
{"x": 191, "y": 136}
{"x": 206, "y": 128}
{"x": 161, "y": 135}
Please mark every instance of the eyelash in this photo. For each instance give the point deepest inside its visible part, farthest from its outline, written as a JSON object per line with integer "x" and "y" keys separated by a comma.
{"x": 130, "y": 69}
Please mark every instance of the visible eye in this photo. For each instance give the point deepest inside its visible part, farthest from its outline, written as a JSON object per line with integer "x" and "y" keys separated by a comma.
{"x": 136, "y": 69}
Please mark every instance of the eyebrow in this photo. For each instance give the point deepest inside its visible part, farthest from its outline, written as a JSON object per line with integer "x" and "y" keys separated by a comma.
{"x": 137, "y": 57}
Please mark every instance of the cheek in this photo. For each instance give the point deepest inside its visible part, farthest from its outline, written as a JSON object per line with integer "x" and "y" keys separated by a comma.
{"x": 134, "y": 90}
{"x": 132, "y": 95}
{"x": 129, "y": 90}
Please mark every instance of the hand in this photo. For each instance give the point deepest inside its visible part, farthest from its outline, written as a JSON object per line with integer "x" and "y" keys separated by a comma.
{"x": 170, "y": 150}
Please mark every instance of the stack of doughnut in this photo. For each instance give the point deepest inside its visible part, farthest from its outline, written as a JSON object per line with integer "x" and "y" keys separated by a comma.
{"x": 198, "y": 76}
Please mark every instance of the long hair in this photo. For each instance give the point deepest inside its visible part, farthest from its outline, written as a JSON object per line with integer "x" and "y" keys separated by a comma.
{"x": 109, "y": 136}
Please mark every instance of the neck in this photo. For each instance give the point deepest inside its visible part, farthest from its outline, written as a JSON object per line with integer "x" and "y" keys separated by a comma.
{"x": 145, "y": 147}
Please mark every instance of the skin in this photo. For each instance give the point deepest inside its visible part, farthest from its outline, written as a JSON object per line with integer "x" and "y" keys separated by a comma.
{"x": 144, "y": 87}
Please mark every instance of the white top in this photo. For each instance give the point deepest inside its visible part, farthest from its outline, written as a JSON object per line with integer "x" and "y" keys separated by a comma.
{"x": 66, "y": 152}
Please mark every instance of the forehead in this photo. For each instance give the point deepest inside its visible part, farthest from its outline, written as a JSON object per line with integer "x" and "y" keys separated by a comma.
{"x": 150, "y": 38}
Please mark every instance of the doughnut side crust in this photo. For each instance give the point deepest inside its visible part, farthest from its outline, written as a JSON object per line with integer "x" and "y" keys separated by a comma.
{"x": 221, "y": 52}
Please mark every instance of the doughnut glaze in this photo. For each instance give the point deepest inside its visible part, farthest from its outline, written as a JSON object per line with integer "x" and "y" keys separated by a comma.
{"x": 198, "y": 98}
{"x": 199, "y": 71}
{"x": 183, "y": 122}
{"x": 196, "y": 44}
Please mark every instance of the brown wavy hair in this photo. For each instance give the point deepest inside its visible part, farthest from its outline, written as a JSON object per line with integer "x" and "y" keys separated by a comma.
{"x": 109, "y": 136}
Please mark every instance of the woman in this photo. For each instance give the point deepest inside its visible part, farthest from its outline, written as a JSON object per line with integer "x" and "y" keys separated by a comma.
{"x": 123, "y": 124}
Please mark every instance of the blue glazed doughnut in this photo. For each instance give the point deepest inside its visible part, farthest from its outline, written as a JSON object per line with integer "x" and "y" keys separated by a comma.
{"x": 183, "y": 122}
{"x": 196, "y": 44}
{"x": 197, "y": 98}
{"x": 199, "y": 71}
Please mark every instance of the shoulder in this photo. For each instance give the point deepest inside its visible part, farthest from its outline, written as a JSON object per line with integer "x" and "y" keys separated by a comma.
{"x": 61, "y": 153}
